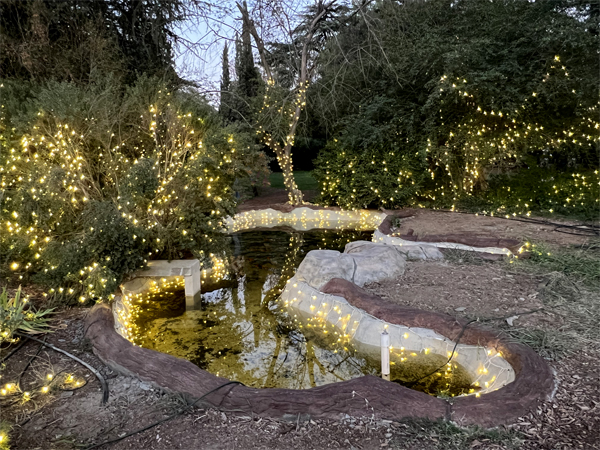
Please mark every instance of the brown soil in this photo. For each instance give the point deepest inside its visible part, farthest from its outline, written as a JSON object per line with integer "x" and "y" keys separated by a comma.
{"x": 486, "y": 290}
{"x": 571, "y": 419}
{"x": 427, "y": 221}
{"x": 273, "y": 198}
{"x": 62, "y": 420}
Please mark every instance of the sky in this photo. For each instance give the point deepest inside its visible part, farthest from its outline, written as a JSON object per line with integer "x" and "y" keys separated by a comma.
{"x": 199, "y": 52}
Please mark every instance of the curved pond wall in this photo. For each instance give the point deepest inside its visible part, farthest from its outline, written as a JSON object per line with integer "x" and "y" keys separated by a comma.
{"x": 303, "y": 219}
{"x": 523, "y": 376}
{"x": 489, "y": 370}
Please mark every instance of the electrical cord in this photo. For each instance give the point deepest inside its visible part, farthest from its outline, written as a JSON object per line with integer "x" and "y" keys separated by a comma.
{"x": 460, "y": 335}
{"x": 172, "y": 416}
{"x": 101, "y": 379}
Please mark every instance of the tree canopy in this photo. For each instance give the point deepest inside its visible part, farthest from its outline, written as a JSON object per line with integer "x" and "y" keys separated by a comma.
{"x": 451, "y": 92}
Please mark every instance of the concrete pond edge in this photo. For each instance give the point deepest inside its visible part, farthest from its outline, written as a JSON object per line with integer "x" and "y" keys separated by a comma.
{"x": 365, "y": 396}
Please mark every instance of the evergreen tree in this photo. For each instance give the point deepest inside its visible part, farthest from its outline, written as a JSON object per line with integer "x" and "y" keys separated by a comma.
{"x": 225, "y": 106}
{"x": 67, "y": 40}
{"x": 248, "y": 77}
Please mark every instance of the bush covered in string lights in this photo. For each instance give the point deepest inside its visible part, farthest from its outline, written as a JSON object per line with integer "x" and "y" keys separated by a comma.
{"x": 97, "y": 180}
{"x": 538, "y": 190}
{"x": 474, "y": 105}
{"x": 363, "y": 167}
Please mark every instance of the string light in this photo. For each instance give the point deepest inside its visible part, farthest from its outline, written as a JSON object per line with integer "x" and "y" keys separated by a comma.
{"x": 484, "y": 139}
{"x": 29, "y": 177}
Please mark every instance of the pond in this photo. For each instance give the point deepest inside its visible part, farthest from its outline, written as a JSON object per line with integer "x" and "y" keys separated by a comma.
{"x": 241, "y": 331}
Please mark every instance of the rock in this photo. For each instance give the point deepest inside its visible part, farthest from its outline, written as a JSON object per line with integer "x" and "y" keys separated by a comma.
{"x": 374, "y": 262}
{"x": 421, "y": 252}
{"x": 460, "y": 309}
{"x": 510, "y": 320}
{"x": 362, "y": 262}
{"x": 320, "y": 266}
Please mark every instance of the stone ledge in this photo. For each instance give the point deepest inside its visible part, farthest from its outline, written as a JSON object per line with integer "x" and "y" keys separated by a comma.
{"x": 533, "y": 377}
{"x": 364, "y": 396}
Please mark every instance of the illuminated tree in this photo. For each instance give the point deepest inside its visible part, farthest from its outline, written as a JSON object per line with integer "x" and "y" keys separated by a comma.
{"x": 99, "y": 184}
{"x": 285, "y": 98}
{"x": 432, "y": 89}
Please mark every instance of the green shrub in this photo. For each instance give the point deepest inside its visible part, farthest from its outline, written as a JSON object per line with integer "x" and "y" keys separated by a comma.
{"x": 364, "y": 167}
{"x": 460, "y": 100}
{"x": 105, "y": 179}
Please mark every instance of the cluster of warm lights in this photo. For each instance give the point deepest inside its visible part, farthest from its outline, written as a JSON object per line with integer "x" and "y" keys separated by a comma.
{"x": 218, "y": 270}
{"x": 50, "y": 181}
{"x": 134, "y": 303}
{"x": 287, "y": 116}
{"x": 331, "y": 316}
{"x": 484, "y": 139}
{"x": 51, "y": 382}
{"x": 306, "y": 219}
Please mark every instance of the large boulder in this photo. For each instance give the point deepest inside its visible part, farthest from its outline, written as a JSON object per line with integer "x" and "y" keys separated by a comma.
{"x": 362, "y": 262}
{"x": 374, "y": 262}
{"x": 320, "y": 266}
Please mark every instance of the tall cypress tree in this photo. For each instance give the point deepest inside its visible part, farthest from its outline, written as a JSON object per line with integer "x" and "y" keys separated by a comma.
{"x": 225, "y": 104}
{"x": 248, "y": 76}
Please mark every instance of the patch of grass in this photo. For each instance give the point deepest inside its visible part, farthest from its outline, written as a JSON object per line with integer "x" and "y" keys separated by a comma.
{"x": 304, "y": 180}
{"x": 569, "y": 288}
{"x": 423, "y": 433}
{"x": 579, "y": 265}
{"x": 549, "y": 344}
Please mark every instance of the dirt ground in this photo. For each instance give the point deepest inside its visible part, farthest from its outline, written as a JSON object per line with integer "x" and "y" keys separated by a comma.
{"x": 462, "y": 285}
{"x": 427, "y": 221}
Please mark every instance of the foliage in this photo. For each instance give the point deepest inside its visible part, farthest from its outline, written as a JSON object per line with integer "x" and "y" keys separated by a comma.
{"x": 569, "y": 290}
{"x": 16, "y": 314}
{"x": 4, "y": 437}
{"x": 459, "y": 97}
{"x": 104, "y": 179}
{"x": 538, "y": 190}
{"x": 239, "y": 97}
{"x": 225, "y": 93}
{"x": 580, "y": 265}
{"x": 363, "y": 166}
{"x": 70, "y": 39}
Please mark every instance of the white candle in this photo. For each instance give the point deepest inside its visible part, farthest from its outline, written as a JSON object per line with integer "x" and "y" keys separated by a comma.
{"x": 385, "y": 355}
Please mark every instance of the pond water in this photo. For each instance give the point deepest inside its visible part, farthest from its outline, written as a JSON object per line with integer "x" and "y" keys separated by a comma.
{"x": 240, "y": 330}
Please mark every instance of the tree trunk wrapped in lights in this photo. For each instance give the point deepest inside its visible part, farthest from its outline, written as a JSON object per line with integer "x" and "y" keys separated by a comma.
{"x": 279, "y": 132}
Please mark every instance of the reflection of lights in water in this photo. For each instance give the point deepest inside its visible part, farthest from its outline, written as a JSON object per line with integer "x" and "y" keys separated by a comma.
{"x": 244, "y": 333}
{"x": 421, "y": 348}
